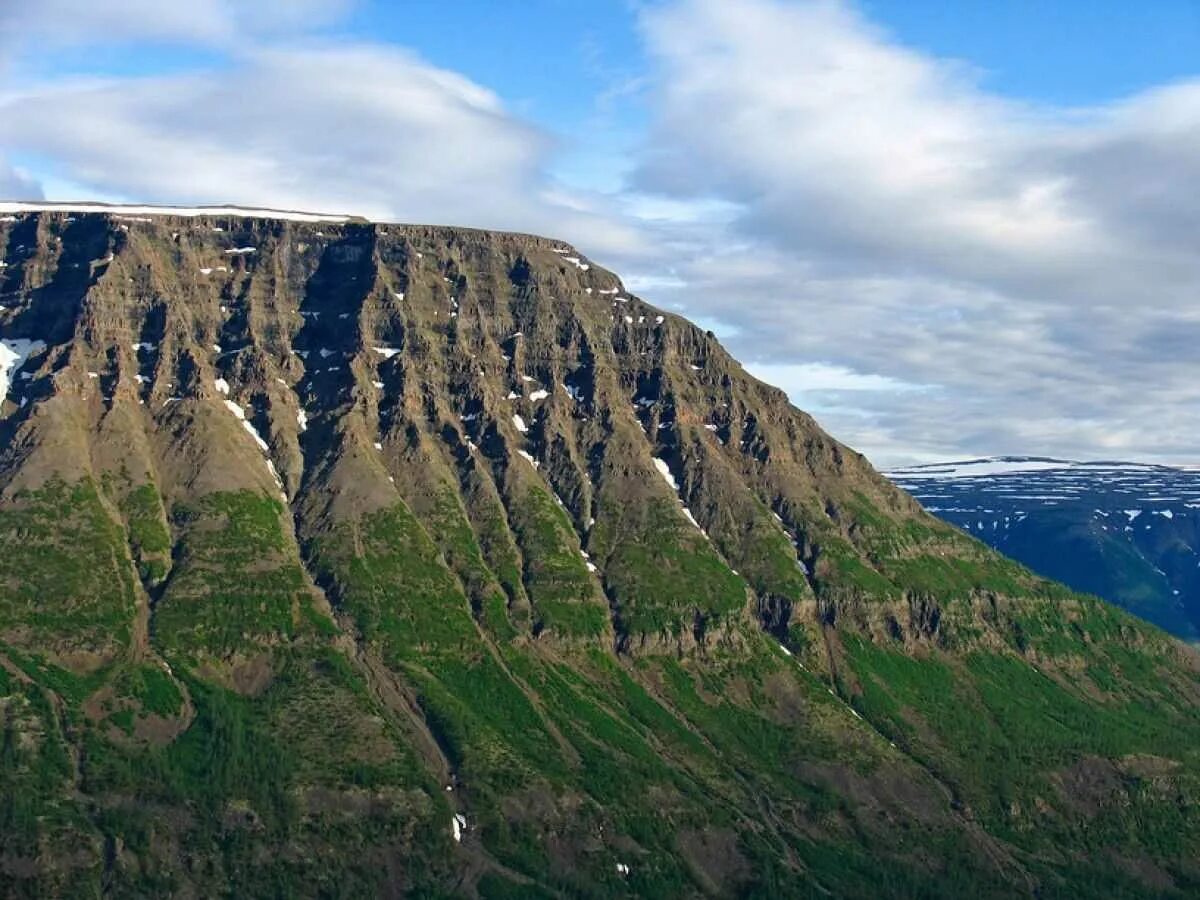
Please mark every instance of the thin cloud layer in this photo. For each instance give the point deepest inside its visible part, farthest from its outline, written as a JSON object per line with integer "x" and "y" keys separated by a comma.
{"x": 56, "y": 23}
{"x": 1032, "y": 267}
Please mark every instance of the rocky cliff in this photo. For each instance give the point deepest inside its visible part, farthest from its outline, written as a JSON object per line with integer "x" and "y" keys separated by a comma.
{"x": 352, "y": 559}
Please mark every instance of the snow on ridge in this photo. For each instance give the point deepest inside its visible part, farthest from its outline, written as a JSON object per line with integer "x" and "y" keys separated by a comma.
{"x": 969, "y": 468}
{"x": 665, "y": 471}
{"x": 13, "y": 353}
{"x": 120, "y": 210}
{"x": 1009, "y": 465}
{"x": 248, "y": 425}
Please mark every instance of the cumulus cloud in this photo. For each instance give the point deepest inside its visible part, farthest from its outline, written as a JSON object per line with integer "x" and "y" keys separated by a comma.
{"x": 365, "y": 129}
{"x": 1032, "y": 267}
{"x": 355, "y": 128}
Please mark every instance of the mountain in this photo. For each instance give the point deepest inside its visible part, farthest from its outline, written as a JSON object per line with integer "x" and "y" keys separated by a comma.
{"x": 351, "y": 559}
{"x": 1127, "y": 532}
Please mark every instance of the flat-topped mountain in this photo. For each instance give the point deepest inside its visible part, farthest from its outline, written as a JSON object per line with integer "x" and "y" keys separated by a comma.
{"x": 351, "y": 559}
{"x": 1128, "y": 532}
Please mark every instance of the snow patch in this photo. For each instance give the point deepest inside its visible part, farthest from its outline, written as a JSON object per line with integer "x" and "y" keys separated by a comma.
{"x": 665, "y": 471}
{"x": 13, "y": 353}
{"x": 519, "y": 424}
{"x": 248, "y": 425}
{"x": 386, "y": 352}
{"x": 179, "y": 211}
{"x": 539, "y": 395}
{"x": 1000, "y": 465}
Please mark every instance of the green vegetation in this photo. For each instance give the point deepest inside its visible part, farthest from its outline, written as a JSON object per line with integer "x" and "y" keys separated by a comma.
{"x": 451, "y": 531}
{"x": 563, "y": 594}
{"x": 59, "y": 544}
{"x": 148, "y": 535}
{"x": 152, "y": 688}
{"x": 500, "y": 552}
{"x": 661, "y": 571}
{"x": 765, "y": 557}
{"x": 237, "y": 584}
{"x": 1019, "y": 723}
{"x": 390, "y": 578}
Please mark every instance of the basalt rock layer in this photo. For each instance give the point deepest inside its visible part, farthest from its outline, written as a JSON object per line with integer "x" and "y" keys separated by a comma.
{"x": 345, "y": 559}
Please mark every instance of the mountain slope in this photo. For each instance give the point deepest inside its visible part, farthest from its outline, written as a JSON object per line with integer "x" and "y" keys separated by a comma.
{"x": 1127, "y": 532}
{"x": 351, "y": 559}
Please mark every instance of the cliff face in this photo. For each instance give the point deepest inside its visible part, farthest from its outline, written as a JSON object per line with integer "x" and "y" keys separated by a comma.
{"x": 343, "y": 557}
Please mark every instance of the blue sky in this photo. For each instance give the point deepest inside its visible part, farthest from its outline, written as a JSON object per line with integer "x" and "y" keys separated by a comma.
{"x": 947, "y": 229}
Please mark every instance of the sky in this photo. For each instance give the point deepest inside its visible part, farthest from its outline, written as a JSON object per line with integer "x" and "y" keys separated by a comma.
{"x": 947, "y": 230}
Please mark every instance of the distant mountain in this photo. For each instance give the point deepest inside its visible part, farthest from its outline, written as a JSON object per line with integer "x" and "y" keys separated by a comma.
{"x": 1128, "y": 532}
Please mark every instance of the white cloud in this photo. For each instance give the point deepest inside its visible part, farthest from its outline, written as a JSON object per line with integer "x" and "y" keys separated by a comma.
{"x": 351, "y": 128}
{"x": 363, "y": 129}
{"x": 799, "y": 379}
{"x": 215, "y": 22}
{"x": 1033, "y": 267}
